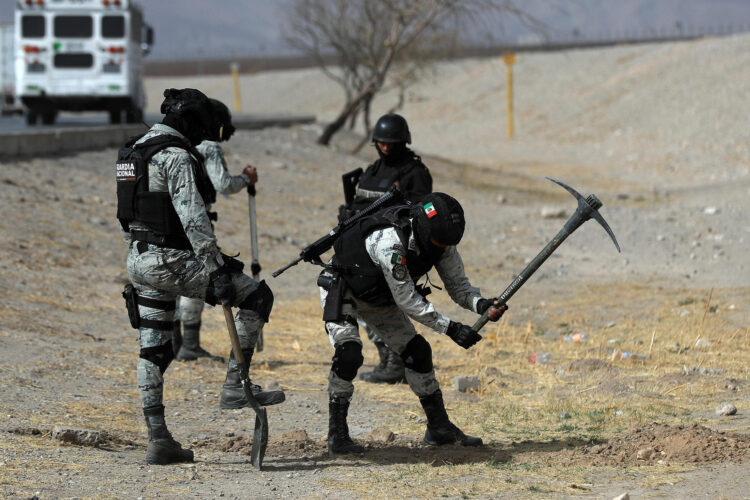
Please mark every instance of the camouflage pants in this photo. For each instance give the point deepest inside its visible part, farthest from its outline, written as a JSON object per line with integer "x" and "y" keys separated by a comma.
{"x": 189, "y": 310}
{"x": 165, "y": 274}
{"x": 389, "y": 323}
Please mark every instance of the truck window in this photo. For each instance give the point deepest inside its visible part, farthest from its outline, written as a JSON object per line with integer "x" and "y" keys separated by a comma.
{"x": 32, "y": 27}
{"x": 74, "y": 26}
{"x": 113, "y": 27}
{"x": 74, "y": 60}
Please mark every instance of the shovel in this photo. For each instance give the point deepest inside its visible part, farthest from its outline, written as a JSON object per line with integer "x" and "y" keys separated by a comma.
{"x": 260, "y": 434}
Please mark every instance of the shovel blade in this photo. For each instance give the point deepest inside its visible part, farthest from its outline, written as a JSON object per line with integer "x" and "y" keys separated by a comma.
{"x": 260, "y": 433}
{"x": 260, "y": 439}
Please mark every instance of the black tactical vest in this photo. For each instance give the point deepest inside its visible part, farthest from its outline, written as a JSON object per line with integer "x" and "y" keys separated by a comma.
{"x": 155, "y": 210}
{"x": 365, "y": 279}
{"x": 379, "y": 179}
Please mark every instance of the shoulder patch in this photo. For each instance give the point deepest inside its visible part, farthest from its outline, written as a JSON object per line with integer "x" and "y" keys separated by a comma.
{"x": 398, "y": 259}
{"x": 399, "y": 272}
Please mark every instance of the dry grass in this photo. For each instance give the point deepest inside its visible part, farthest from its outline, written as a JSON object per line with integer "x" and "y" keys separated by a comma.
{"x": 519, "y": 407}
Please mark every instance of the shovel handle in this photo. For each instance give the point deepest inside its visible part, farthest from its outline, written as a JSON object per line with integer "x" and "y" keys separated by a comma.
{"x": 233, "y": 337}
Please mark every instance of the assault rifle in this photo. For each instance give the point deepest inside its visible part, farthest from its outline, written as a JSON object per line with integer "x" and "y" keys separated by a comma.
{"x": 312, "y": 252}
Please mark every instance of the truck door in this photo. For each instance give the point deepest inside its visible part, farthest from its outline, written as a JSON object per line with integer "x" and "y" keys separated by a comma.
{"x": 74, "y": 60}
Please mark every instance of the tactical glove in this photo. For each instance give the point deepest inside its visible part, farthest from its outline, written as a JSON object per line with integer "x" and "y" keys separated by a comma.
{"x": 221, "y": 281}
{"x": 463, "y": 335}
{"x": 484, "y": 304}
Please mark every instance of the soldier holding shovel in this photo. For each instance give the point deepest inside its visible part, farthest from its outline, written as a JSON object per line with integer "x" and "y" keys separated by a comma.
{"x": 162, "y": 192}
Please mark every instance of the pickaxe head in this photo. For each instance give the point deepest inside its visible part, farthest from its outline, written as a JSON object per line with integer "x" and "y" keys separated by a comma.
{"x": 588, "y": 208}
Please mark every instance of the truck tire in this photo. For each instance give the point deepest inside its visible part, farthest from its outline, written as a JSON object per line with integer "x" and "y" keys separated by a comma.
{"x": 31, "y": 117}
{"x": 134, "y": 115}
{"x": 49, "y": 117}
{"x": 115, "y": 116}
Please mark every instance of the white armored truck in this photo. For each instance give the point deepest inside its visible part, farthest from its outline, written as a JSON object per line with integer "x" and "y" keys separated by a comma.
{"x": 80, "y": 55}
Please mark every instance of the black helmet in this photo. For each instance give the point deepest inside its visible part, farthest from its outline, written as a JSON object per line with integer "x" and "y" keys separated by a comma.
{"x": 191, "y": 105}
{"x": 391, "y": 128}
{"x": 223, "y": 118}
{"x": 438, "y": 217}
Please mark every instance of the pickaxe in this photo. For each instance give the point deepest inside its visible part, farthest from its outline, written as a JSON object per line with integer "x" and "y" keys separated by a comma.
{"x": 255, "y": 266}
{"x": 260, "y": 434}
{"x": 588, "y": 208}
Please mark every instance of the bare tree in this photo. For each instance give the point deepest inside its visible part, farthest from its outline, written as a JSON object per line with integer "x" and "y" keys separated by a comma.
{"x": 371, "y": 46}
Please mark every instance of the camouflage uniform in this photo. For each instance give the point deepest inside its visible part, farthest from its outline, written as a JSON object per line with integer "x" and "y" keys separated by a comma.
{"x": 189, "y": 309}
{"x": 391, "y": 322}
{"x": 163, "y": 274}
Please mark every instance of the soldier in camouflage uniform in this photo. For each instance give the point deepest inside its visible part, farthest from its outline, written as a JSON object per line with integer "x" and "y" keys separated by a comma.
{"x": 162, "y": 191}
{"x": 399, "y": 165}
{"x": 188, "y": 316}
{"x": 372, "y": 278}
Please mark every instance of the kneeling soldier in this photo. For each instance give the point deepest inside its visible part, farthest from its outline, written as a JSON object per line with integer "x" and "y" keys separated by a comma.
{"x": 372, "y": 278}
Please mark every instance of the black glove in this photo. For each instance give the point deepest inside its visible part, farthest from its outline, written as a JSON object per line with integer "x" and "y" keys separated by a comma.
{"x": 484, "y": 304}
{"x": 233, "y": 263}
{"x": 221, "y": 281}
{"x": 463, "y": 335}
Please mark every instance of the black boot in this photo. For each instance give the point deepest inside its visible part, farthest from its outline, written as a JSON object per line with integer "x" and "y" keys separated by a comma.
{"x": 440, "y": 430}
{"x": 390, "y": 370}
{"x": 232, "y": 393}
{"x": 191, "y": 345}
{"x": 162, "y": 448}
{"x": 339, "y": 441}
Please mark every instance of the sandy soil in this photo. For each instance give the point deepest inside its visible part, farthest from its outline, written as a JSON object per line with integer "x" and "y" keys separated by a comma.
{"x": 624, "y": 123}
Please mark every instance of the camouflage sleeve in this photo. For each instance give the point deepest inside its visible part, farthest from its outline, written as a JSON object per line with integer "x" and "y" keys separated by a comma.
{"x": 216, "y": 166}
{"x": 450, "y": 267}
{"x": 189, "y": 206}
{"x": 387, "y": 252}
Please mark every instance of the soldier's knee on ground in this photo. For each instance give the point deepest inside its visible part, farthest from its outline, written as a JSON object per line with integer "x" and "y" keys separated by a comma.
{"x": 347, "y": 360}
{"x": 161, "y": 355}
{"x": 260, "y": 301}
{"x": 418, "y": 355}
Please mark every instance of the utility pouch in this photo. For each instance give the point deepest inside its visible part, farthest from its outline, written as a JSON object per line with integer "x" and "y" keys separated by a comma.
{"x": 131, "y": 303}
{"x": 334, "y": 299}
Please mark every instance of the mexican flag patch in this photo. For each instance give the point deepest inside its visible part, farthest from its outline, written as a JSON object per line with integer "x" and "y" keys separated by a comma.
{"x": 430, "y": 210}
{"x": 398, "y": 259}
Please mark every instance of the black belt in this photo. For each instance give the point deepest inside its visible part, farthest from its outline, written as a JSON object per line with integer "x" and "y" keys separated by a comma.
{"x": 161, "y": 240}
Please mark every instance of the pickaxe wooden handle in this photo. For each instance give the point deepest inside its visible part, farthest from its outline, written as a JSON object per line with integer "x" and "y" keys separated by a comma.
{"x": 588, "y": 208}
{"x": 260, "y": 434}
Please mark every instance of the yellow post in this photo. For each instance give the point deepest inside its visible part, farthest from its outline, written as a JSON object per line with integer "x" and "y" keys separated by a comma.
{"x": 235, "y": 69}
{"x": 509, "y": 59}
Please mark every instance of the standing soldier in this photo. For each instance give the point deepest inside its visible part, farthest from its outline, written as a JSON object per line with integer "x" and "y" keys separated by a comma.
{"x": 397, "y": 165}
{"x": 188, "y": 315}
{"x": 371, "y": 277}
{"x": 162, "y": 192}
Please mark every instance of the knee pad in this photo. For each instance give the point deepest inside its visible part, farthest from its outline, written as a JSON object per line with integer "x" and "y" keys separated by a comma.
{"x": 418, "y": 355}
{"x": 161, "y": 355}
{"x": 260, "y": 301}
{"x": 346, "y": 360}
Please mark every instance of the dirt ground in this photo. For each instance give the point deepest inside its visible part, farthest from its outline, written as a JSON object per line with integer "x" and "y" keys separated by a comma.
{"x": 630, "y": 409}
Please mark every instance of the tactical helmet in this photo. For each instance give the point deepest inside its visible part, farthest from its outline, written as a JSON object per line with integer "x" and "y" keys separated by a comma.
{"x": 223, "y": 118}
{"x": 192, "y": 105}
{"x": 391, "y": 128}
{"x": 438, "y": 217}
